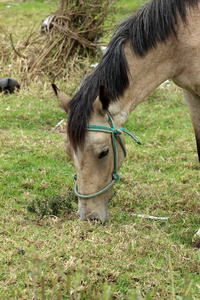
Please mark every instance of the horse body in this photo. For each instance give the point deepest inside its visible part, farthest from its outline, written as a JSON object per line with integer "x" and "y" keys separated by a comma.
{"x": 187, "y": 75}
{"x": 172, "y": 52}
{"x": 177, "y": 59}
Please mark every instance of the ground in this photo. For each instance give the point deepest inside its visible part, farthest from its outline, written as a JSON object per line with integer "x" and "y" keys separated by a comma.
{"x": 46, "y": 251}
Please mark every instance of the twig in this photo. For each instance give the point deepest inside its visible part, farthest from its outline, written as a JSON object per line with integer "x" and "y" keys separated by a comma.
{"x": 150, "y": 217}
{"x": 19, "y": 54}
{"x": 59, "y": 123}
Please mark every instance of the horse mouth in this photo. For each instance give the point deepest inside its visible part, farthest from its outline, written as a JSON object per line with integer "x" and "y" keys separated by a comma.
{"x": 93, "y": 216}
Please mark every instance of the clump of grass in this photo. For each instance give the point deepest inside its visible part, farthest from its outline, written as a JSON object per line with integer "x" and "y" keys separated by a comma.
{"x": 57, "y": 205}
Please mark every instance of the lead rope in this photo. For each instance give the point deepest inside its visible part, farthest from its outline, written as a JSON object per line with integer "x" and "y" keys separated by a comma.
{"x": 115, "y": 134}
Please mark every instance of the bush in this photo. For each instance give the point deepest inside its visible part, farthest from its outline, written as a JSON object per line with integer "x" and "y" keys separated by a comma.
{"x": 74, "y": 31}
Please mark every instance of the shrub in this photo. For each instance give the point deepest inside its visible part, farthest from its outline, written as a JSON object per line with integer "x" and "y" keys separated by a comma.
{"x": 74, "y": 31}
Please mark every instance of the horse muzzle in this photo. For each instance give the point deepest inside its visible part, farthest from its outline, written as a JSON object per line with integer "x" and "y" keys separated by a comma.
{"x": 93, "y": 210}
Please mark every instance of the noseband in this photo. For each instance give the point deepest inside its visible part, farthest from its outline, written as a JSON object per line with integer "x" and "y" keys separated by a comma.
{"x": 115, "y": 135}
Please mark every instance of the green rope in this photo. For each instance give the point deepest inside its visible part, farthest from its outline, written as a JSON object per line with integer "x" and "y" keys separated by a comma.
{"x": 115, "y": 134}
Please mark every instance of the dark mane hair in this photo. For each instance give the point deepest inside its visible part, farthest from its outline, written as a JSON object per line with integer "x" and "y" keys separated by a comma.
{"x": 155, "y": 22}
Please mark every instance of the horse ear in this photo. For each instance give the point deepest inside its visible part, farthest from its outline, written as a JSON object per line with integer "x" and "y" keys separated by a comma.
{"x": 63, "y": 99}
{"x": 102, "y": 102}
{"x": 104, "y": 96}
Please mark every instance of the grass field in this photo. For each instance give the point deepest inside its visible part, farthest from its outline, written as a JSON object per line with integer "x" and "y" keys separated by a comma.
{"x": 46, "y": 252}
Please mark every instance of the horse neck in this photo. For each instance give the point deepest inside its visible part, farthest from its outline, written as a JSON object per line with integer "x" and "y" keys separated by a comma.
{"x": 146, "y": 74}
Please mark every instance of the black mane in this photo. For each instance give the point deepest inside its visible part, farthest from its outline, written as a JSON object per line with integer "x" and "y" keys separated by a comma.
{"x": 153, "y": 23}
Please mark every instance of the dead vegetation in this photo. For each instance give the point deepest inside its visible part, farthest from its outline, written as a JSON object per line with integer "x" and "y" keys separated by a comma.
{"x": 72, "y": 33}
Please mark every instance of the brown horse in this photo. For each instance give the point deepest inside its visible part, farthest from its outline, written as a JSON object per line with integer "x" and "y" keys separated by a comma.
{"x": 160, "y": 41}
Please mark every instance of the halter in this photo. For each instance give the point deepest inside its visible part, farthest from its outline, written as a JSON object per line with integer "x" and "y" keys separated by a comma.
{"x": 115, "y": 134}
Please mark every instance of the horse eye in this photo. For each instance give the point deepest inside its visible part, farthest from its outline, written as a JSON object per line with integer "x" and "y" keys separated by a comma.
{"x": 103, "y": 153}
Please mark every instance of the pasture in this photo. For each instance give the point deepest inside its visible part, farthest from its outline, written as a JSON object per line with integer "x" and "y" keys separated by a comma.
{"x": 46, "y": 251}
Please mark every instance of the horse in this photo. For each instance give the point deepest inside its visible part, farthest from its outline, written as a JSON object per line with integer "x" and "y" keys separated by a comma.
{"x": 159, "y": 42}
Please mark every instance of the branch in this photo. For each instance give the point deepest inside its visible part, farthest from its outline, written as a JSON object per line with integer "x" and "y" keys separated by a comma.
{"x": 19, "y": 54}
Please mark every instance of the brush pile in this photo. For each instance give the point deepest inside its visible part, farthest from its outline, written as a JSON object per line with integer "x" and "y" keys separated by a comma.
{"x": 72, "y": 32}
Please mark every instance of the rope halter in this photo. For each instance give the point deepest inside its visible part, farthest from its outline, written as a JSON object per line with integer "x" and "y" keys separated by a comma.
{"x": 115, "y": 132}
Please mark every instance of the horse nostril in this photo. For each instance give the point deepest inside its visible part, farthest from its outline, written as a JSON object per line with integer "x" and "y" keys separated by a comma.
{"x": 96, "y": 218}
{"x": 93, "y": 216}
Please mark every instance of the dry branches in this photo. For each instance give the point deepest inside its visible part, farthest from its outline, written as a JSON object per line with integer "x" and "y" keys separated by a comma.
{"x": 74, "y": 30}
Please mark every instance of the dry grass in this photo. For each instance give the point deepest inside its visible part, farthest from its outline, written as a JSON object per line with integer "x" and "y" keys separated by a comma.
{"x": 60, "y": 257}
{"x": 73, "y": 35}
{"x": 64, "y": 258}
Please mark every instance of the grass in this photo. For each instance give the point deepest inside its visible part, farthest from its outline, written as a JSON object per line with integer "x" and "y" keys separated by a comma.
{"x": 51, "y": 254}
{"x": 126, "y": 8}
{"x": 24, "y": 14}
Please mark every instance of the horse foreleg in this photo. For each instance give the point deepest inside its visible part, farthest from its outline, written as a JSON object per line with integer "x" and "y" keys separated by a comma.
{"x": 193, "y": 104}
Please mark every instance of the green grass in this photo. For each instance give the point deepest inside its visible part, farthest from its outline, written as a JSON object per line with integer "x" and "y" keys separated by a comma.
{"x": 22, "y": 14}
{"x": 45, "y": 256}
{"x": 160, "y": 177}
{"x": 127, "y": 7}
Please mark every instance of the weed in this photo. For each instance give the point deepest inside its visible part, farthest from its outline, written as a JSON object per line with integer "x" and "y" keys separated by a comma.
{"x": 54, "y": 206}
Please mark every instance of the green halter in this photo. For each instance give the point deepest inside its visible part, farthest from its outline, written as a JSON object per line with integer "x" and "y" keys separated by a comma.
{"x": 115, "y": 134}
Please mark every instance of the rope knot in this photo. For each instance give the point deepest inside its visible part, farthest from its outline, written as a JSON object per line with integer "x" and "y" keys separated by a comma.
{"x": 116, "y": 131}
{"x": 116, "y": 177}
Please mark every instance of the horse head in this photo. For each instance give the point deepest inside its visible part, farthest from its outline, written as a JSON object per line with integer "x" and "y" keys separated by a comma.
{"x": 99, "y": 158}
